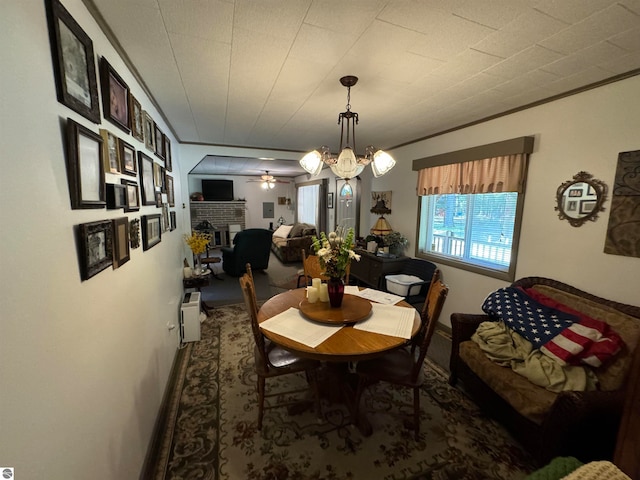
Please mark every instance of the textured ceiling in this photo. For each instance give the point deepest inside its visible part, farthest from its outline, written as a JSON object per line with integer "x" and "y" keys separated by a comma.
{"x": 265, "y": 73}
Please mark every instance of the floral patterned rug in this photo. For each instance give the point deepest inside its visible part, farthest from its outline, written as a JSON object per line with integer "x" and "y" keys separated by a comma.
{"x": 214, "y": 435}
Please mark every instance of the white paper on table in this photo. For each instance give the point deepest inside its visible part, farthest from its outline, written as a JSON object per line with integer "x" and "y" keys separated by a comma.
{"x": 389, "y": 320}
{"x": 351, "y": 289}
{"x": 385, "y": 298}
{"x": 292, "y": 324}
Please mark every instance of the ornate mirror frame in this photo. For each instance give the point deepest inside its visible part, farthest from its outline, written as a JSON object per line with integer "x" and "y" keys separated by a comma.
{"x": 580, "y": 199}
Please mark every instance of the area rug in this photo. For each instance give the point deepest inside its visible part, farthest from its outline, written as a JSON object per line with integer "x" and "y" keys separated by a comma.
{"x": 213, "y": 434}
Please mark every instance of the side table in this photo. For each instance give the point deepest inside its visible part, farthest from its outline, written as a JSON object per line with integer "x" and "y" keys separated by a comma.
{"x": 196, "y": 282}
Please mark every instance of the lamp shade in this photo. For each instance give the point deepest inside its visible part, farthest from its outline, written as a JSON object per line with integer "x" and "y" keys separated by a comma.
{"x": 312, "y": 162}
{"x": 381, "y": 227}
{"x": 382, "y": 163}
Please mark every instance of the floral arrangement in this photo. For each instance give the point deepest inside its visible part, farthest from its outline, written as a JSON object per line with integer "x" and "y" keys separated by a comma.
{"x": 197, "y": 241}
{"x": 335, "y": 251}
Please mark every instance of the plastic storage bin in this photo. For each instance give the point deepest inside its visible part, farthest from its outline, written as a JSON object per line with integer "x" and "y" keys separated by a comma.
{"x": 399, "y": 284}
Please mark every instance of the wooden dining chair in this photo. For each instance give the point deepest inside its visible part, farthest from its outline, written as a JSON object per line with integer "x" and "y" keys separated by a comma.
{"x": 272, "y": 360}
{"x": 311, "y": 268}
{"x": 404, "y": 366}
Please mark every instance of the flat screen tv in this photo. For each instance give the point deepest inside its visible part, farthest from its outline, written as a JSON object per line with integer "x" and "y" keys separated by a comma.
{"x": 217, "y": 190}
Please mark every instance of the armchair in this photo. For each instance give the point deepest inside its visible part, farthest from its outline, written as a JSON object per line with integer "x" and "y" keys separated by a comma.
{"x": 250, "y": 246}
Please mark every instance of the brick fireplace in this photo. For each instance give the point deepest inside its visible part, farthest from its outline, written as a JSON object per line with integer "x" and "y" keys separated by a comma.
{"x": 221, "y": 215}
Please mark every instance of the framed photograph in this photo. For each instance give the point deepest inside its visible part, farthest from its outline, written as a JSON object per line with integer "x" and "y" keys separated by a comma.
{"x": 172, "y": 221}
{"x": 127, "y": 158}
{"x": 135, "y": 113}
{"x": 159, "y": 142}
{"x": 110, "y": 151}
{"x": 167, "y": 153}
{"x": 158, "y": 199}
{"x": 85, "y": 172}
{"x": 330, "y": 200}
{"x": 134, "y": 233}
{"x": 575, "y": 192}
{"x": 132, "y": 196}
{"x": 73, "y": 63}
{"x": 146, "y": 179}
{"x": 116, "y": 196}
{"x": 115, "y": 96}
{"x": 149, "y": 131}
{"x": 282, "y": 200}
{"x": 95, "y": 247}
{"x": 165, "y": 217}
{"x": 168, "y": 182}
{"x": 159, "y": 178}
{"x": 151, "y": 231}
{"x": 120, "y": 241}
{"x": 587, "y": 206}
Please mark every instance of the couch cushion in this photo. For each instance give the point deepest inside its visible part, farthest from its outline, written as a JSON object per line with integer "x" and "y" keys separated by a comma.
{"x": 528, "y": 399}
{"x": 309, "y": 230}
{"x": 297, "y": 230}
{"x": 279, "y": 241}
{"x": 611, "y": 375}
{"x": 283, "y": 231}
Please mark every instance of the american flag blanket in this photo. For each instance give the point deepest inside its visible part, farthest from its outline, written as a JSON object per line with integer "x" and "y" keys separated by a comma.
{"x": 560, "y": 332}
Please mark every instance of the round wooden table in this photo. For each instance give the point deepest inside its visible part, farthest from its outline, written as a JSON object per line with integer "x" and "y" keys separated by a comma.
{"x": 346, "y": 345}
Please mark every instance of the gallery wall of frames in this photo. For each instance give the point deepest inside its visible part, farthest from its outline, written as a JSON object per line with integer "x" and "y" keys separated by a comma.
{"x": 144, "y": 175}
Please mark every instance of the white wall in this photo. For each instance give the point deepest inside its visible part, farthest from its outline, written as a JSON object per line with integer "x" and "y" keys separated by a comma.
{"x": 581, "y": 132}
{"x": 83, "y": 365}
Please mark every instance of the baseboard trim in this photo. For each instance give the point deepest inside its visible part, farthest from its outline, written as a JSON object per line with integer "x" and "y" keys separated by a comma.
{"x": 170, "y": 400}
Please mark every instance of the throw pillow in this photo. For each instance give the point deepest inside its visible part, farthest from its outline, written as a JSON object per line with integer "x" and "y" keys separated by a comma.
{"x": 297, "y": 229}
{"x": 283, "y": 231}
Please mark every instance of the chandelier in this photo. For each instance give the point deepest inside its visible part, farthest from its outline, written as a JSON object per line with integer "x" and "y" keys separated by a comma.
{"x": 348, "y": 164}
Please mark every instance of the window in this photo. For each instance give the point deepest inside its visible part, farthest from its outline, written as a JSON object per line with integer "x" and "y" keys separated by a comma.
{"x": 474, "y": 229}
{"x": 308, "y": 204}
{"x": 470, "y": 209}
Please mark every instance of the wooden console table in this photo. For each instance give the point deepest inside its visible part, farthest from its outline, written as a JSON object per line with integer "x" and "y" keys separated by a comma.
{"x": 371, "y": 269}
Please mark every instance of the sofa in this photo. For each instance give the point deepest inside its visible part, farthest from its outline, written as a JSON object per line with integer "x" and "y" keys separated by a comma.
{"x": 582, "y": 424}
{"x": 249, "y": 246}
{"x": 288, "y": 241}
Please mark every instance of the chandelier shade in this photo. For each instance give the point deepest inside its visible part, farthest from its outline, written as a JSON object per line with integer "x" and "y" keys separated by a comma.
{"x": 347, "y": 164}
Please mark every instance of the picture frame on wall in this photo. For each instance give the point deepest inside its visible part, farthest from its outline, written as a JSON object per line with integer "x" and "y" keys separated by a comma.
{"x": 172, "y": 221}
{"x": 159, "y": 142}
{"x": 145, "y": 171}
{"x": 95, "y": 245}
{"x": 73, "y": 63}
{"x": 134, "y": 233}
{"x": 110, "y": 151}
{"x": 132, "y": 195}
{"x": 121, "y": 252}
{"x": 85, "y": 172}
{"x": 115, "y": 96}
{"x": 127, "y": 158}
{"x": 137, "y": 121}
{"x": 169, "y": 188}
{"x": 149, "y": 132}
{"x": 167, "y": 153}
{"x": 116, "y": 196}
{"x": 158, "y": 177}
{"x": 330, "y": 200}
{"x": 151, "y": 230}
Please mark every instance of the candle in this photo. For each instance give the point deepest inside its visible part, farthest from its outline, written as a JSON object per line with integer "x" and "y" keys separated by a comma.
{"x": 312, "y": 294}
{"x": 324, "y": 292}
{"x": 315, "y": 283}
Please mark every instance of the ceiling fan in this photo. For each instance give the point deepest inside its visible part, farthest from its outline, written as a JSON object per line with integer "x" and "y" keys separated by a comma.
{"x": 268, "y": 181}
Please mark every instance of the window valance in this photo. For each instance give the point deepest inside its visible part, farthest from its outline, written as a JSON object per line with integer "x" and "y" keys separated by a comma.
{"x": 502, "y": 168}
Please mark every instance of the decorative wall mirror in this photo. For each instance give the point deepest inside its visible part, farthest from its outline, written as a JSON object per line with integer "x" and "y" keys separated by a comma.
{"x": 580, "y": 199}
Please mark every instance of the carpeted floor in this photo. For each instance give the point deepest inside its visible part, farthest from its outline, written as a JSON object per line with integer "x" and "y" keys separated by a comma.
{"x": 212, "y": 432}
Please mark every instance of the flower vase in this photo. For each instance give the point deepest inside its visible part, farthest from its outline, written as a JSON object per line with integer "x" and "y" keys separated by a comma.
{"x": 198, "y": 268}
{"x": 335, "y": 287}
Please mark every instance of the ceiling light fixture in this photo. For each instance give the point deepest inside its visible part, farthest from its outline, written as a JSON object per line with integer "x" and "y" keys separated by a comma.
{"x": 347, "y": 164}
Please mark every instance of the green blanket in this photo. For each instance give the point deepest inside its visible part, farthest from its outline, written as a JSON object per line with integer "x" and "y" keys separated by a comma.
{"x": 505, "y": 347}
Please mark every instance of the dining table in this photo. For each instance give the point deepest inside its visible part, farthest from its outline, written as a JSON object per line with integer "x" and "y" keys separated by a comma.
{"x": 346, "y": 344}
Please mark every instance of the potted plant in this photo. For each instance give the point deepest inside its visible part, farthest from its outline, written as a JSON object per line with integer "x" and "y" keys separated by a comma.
{"x": 396, "y": 242}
